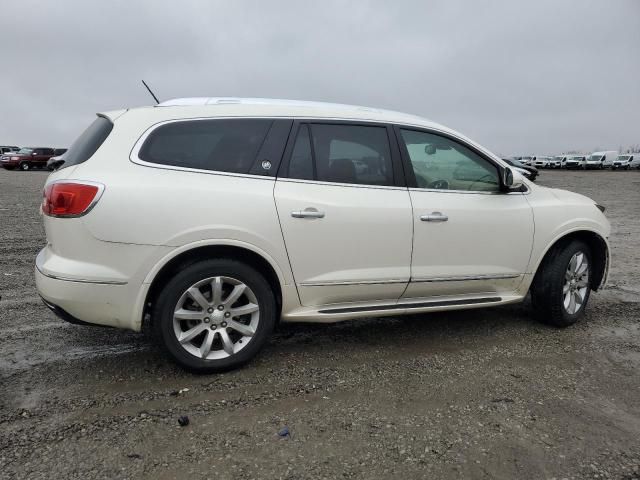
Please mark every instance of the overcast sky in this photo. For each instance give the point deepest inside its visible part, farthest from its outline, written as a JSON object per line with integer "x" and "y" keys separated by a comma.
{"x": 517, "y": 76}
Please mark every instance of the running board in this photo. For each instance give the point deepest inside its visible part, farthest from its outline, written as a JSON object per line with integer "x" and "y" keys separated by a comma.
{"x": 408, "y": 306}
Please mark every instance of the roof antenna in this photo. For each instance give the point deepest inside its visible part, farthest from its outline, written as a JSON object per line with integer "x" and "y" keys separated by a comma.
{"x": 150, "y": 92}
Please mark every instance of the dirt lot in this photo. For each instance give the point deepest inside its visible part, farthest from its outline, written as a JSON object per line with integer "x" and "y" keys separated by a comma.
{"x": 480, "y": 394}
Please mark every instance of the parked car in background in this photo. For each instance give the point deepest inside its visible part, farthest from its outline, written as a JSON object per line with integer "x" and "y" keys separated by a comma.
{"x": 627, "y": 161}
{"x": 527, "y": 170}
{"x": 541, "y": 161}
{"x": 558, "y": 161}
{"x": 601, "y": 160}
{"x": 527, "y": 160}
{"x": 54, "y": 162}
{"x": 27, "y": 158}
{"x": 575, "y": 161}
{"x": 7, "y": 149}
{"x": 256, "y": 211}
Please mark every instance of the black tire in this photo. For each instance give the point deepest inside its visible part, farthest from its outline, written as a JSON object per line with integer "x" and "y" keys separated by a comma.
{"x": 24, "y": 166}
{"x": 168, "y": 297}
{"x": 547, "y": 296}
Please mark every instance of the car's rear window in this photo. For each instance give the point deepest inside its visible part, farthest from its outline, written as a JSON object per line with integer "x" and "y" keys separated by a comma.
{"x": 224, "y": 145}
{"x": 87, "y": 143}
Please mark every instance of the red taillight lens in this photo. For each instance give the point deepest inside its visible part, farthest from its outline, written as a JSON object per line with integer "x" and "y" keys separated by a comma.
{"x": 68, "y": 199}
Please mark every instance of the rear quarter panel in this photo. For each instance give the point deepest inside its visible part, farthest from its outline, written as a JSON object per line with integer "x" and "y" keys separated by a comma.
{"x": 156, "y": 206}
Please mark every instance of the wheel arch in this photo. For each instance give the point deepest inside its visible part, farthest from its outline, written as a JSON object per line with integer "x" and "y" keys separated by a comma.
{"x": 599, "y": 250}
{"x": 188, "y": 256}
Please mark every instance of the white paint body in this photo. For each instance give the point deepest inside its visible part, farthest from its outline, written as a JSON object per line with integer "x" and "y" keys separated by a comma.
{"x": 558, "y": 161}
{"x": 371, "y": 248}
{"x": 601, "y": 159}
{"x": 627, "y": 160}
{"x": 542, "y": 161}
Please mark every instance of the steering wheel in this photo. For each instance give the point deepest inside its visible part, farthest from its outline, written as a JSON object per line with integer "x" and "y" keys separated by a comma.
{"x": 477, "y": 180}
{"x": 439, "y": 185}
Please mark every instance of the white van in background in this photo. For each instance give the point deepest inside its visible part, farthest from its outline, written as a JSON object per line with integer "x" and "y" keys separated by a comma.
{"x": 558, "y": 161}
{"x": 575, "y": 161}
{"x": 601, "y": 159}
{"x": 627, "y": 161}
{"x": 526, "y": 160}
{"x": 542, "y": 162}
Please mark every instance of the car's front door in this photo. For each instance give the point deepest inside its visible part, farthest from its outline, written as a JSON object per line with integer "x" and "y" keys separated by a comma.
{"x": 469, "y": 238}
{"x": 345, "y": 214}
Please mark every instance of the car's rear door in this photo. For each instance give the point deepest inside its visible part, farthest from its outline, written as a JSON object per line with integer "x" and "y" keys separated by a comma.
{"x": 345, "y": 213}
{"x": 469, "y": 238}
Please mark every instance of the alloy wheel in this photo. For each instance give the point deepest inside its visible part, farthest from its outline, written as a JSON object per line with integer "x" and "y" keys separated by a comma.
{"x": 216, "y": 317}
{"x": 576, "y": 283}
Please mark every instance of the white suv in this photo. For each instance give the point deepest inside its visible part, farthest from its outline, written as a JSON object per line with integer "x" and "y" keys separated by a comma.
{"x": 215, "y": 218}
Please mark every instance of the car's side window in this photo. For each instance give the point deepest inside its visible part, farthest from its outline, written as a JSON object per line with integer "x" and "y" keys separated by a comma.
{"x": 225, "y": 145}
{"x": 341, "y": 153}
{"x": 439, "y": 162}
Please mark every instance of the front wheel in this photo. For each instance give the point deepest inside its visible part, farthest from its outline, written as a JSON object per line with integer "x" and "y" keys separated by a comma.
{"x": 25, "y": 166}
{"x": 562, "y": 285}
{"x": 214, "y": 315}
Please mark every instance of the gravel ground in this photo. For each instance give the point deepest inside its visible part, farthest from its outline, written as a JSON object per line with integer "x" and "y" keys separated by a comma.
{"x": 480, "y": 394}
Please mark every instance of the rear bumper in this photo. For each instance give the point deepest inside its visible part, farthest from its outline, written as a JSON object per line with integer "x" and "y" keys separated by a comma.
{"x": 67, "y": 317}
{"x": 88, "y": 302}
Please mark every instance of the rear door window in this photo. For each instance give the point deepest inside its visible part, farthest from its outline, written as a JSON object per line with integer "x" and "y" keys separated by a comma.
{"x": 224, "y": 145}
{"x": 342, "y": 153}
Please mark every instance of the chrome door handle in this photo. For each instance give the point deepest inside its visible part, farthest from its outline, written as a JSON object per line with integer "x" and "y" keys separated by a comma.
{"x": 307, "y": 213}
{"x": 434, "y": 217}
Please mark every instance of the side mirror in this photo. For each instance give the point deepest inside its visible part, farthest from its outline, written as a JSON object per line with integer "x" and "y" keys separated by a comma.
{"x": 511, "y": 180}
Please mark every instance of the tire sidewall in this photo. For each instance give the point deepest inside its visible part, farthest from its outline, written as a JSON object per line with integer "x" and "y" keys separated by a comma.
{"x": 557, "y": 280}
{"x": 173, "y": 290}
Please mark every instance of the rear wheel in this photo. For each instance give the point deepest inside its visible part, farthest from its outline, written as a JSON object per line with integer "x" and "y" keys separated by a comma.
{"x": 24, "y": 166}
{"x": 214, "y": 315}
{"x": 561, "y": 288}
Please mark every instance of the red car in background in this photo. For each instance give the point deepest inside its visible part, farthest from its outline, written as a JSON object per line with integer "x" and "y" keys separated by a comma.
{"x": 27, "y": 158}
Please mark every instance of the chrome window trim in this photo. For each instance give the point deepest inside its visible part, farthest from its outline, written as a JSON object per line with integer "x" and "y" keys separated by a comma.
{"x": 472, "y": 192}
{"x": 134, "y": 156}
{"x": 336, "y": 184}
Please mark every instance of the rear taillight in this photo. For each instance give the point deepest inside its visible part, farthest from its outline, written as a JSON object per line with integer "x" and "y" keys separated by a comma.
{"x": 67, "y": 199}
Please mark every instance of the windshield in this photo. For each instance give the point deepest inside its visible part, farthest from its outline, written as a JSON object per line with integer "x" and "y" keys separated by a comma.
{"x": 557, "y": 159}
{"x": 576, "y": 158}
{"x": 624, "y": 158}
{"x": 25, "y": 151}
{"x": 595, "y": 158}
